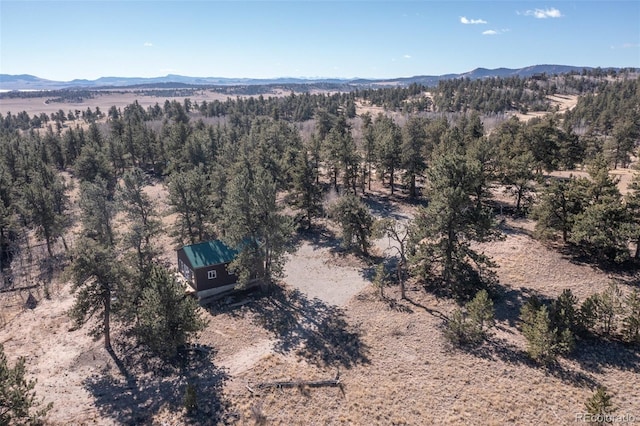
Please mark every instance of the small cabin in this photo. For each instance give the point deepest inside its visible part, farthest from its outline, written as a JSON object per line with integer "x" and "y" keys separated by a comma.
{"x": 204, "y": 266}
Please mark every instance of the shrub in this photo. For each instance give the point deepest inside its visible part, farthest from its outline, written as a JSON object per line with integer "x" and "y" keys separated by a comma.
{"x": 599, "y": 406}
{"x": 600, "y": 311}
{"x": 588, "y": 313}
{"x": 471, "y": 327}
{"x": 480, "y": 311}
{"x": 563, "y": 312}
{"x": 631, "y": 321}
{"x": 458, "y": 331}
{"x": 18, "y": 404}
{"x": 380, "y": 279}
{"x": 544, "y": 342}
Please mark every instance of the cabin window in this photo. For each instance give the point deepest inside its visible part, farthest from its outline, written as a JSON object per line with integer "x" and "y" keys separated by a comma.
{"x": 211, "y": 275}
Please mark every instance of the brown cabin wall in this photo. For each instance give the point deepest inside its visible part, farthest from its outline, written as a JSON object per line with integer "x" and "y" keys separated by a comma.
{"x": 223, "y": 277}
{"x": 202, "y": 282}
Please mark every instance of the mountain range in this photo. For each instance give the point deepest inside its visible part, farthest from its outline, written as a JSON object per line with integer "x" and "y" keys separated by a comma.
{"x": 30, "y": 82}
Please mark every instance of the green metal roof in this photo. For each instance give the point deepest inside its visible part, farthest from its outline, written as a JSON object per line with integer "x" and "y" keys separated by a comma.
{"x": 209, "y": 253}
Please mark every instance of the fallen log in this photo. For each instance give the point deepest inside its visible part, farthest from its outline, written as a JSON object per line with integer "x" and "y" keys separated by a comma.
{"x": 8, "y": 290}
{"x": 298, "y": 383}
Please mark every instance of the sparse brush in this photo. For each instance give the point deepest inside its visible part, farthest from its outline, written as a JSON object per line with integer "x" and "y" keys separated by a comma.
{"x": 380, "y": 279}
{"x": 257, "y": 414}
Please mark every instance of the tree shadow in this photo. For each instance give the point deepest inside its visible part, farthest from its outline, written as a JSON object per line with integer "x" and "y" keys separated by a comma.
{"x": 496, "y": 348}
{"x": 319, "y": 236}
{"x": 50, "y": 268}
{"x": 147, "y": 385}
{"x": 310, "y": 328}
{"x": 598, "y": 354}
{"x": 381, "y": 206}
{"x": 509, "y": 301}
{"x": 430, "y": 311}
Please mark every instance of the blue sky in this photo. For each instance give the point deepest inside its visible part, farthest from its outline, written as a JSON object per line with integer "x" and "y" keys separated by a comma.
{"x": 64, "y": 40}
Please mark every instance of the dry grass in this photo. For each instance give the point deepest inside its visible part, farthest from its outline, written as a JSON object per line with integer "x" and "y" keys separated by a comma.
{"x": 564, "y": 103}
{"x": 393, "y": 363}
{"x": 624, "y": 176}
{"x": 106, "y": 99}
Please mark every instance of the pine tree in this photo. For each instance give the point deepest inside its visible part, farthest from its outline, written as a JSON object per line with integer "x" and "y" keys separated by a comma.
{"x": 98, "y": 209}
{"x": 443, "y": 231}
{"x": 355, "y": 221}
{"x": 619, "y": 147}
{"x": 341, "y": 154}
{"x": 190, "y": 198}
{"x": 481, "y": 158}
{"x": 388, "y": 147}
{"x": 556, "y": 208}
{"x": 96, "y": 277}
{"x": 168, "y": 318}
{"x": 368, "y": 142}
{"x": 306, "y": 190}
{"x": 517, "y": 175}
{"x": 480, "y": 311}
{"x": 8, "y": 219}
{"x": 600, "y": 229}
{"x": 253, "y": 223}
{"x": 96, "y": 272}
{"x": 633, "y": 206}
{"x": 46, "y": 203}
{"x": 143, "y": 225}
{"x": 414, "y": 138}
{"x": 18, "y": 403}
{"x": 540, "y": 337}
{"x": 599, "y": 405}
{"x": 545, "y": 340}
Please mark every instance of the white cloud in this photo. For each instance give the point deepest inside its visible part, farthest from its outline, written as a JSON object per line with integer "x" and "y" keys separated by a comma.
{"x": 147, "y": 44}
{"x": 544, "y": 13}
{"x": 495, "y": 32}
{"x": 626, "y": 46}
{"x": 466, "y": 21}
{"x": 407, "y": 56}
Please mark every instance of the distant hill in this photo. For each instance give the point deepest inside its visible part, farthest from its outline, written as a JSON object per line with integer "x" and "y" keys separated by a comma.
{"x": 30, "y": 82}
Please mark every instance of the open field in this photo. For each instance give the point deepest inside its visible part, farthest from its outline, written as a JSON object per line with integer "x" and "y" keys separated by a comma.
{"x": 564, "y": 103}
{"x": 104, "y": 101}
{"x": 326, "y": 320}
